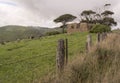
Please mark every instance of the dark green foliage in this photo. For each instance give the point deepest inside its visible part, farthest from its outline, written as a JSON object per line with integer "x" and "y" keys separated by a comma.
{"x": 88, "y": 15}
{"x": 107, "y": 12}
{"x": 104, "y": 17}
{"x": 52, "y": 33}
{"x": 65, "y": 18}
{"x": 99, "y": 28}
{"x": 87, "y": 12}
{"x": 109, "y": 21}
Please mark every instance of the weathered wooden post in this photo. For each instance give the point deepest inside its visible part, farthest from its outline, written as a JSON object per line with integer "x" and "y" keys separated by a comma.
{"x": 60, "y": 57}
{"x": 89, "y": 43}
{"x": 101, "y": 37}
{"x": 66, "y": 50}
{"x": 98, "y": 38}
{"x": 86, "y": 47}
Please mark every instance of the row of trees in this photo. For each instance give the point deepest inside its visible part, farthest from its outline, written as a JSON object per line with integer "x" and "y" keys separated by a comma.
{"x": 89, "y": 16}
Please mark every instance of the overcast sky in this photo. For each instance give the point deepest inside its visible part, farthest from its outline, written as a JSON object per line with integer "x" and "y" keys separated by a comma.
{"x": 43, "y": 12}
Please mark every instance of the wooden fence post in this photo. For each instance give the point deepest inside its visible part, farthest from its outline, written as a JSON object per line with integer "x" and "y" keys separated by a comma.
{"x": 86, "y": 47}
{"x": 101, "y": 37}
{"x": 98, "y": 38}
{"x": 60, "y": 57}
{"x": 89, "y": 43}
{"x": 66, "y": 50}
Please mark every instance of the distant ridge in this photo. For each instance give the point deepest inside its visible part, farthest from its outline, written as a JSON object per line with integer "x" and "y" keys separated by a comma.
{"x": 14, "y": 32}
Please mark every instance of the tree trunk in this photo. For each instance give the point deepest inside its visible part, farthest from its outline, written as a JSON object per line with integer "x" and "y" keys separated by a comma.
{"x": 63, "y": 28}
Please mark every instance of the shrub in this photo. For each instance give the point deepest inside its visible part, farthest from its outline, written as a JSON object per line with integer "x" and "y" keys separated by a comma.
{"x": 99, "y": 28}
{"x": 52, "y": 33}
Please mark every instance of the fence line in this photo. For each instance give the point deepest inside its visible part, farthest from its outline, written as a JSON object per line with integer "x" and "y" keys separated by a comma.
{"x": 62, "y": 49}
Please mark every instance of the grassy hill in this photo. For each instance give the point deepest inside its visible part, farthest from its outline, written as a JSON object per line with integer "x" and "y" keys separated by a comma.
{"x": 14, "y": 32}
{"x": 100, "y": 65}
{"x": 29, "y": 60}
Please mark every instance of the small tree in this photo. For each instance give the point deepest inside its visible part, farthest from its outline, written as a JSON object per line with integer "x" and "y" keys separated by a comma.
{"x": 64, "y": 19}
{"x": 105, "y": 17}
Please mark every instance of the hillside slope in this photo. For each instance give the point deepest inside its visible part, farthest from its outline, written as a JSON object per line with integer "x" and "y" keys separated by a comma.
{"x": 29, "y": 60}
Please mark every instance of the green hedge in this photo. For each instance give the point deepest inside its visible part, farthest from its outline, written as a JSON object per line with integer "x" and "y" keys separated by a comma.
{"x": 99, "y": 28}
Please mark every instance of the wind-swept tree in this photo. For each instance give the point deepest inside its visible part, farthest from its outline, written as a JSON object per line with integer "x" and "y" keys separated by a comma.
{"x": 64, "y": 19}
{"x": 107, "y": 13}
{"x": 88, "y": 15}
{"x": 107, "y": 18}
{"x": 102, "y": 17}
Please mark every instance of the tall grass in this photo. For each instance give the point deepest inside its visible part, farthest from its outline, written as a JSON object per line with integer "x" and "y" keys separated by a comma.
{"x": 101, "y": 65}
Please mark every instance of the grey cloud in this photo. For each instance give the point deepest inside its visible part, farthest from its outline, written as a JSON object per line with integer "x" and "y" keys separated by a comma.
{"x": 46, "y": 10}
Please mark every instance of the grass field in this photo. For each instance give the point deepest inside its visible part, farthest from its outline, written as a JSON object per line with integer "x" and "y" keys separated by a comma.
{"x": 100, "y": 65}
{"x": 29, "y": 60}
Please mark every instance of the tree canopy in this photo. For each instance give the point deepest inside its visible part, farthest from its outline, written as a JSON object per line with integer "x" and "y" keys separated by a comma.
{"x": 107, "y": 13}
{"x": 64, "y": 19}
{"x": 102, "y": 17}
{"x": 88, "y": 15}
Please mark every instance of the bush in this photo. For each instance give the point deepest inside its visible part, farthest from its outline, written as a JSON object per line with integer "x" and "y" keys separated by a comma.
{"x": 99, "y": 28}
{"x": 52, "y": 33}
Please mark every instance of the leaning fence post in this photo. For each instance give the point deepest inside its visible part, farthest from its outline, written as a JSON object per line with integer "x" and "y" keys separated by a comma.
{"x": 60, "y": 57}
{"x": 86, "y": 47}
{"x": 89, "y": 43}
{"x": 66, "y": 50}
